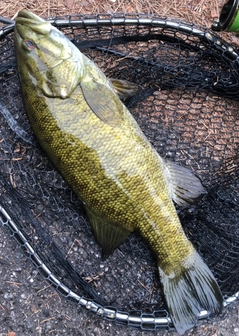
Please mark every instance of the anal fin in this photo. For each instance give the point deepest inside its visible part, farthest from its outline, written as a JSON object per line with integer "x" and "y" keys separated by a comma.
{"x": 109, "y": 235}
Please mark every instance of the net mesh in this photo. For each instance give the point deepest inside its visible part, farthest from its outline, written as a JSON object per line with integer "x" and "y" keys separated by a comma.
{"x": 188, "y": 110}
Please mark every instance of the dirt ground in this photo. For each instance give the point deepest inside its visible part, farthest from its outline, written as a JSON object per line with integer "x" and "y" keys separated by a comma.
{"x": 28, "y": 305}
{"x": 202, "y": 12}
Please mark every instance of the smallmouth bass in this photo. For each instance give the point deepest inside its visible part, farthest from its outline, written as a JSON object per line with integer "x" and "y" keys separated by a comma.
{"x": 99, "y": 149}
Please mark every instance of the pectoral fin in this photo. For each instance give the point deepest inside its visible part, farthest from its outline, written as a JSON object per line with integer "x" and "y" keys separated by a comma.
{"x": 103, "y": 102}
{"x": 186, "y": 188}
{"x": 108, "y": 235}
{"x": 124, "y": 88}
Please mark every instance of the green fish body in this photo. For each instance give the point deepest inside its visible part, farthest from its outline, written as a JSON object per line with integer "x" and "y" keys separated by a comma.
{"x": 97, "y": 146}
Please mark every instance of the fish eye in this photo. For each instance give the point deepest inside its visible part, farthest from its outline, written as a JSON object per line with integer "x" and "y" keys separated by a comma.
{"x": 28, "y": 44}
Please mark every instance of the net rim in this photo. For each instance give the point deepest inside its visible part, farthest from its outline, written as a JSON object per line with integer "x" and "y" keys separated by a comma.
{"x": 144, "y": 20}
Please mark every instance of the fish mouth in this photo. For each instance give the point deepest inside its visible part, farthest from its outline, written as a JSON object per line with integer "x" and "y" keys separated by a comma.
{"x": 24, "y": 14}
{"x": 31, "y": 21}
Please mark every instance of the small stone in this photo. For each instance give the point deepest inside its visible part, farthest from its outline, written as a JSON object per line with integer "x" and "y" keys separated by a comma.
{"x": 7, "y": 296}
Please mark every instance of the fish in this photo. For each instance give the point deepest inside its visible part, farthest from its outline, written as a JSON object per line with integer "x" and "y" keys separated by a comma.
{"x": 98, "y": 147}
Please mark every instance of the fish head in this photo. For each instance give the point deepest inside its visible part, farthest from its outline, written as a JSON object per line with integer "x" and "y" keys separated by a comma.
{"x": 46, "y": 57}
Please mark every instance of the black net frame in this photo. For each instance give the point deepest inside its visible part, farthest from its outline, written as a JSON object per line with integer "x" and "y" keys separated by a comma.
{"x": 178, "y": 64}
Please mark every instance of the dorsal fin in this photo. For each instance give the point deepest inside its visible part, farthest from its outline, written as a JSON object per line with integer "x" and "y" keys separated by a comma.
{"x": 124, "y": 88}
{"x": 186, "y": 188}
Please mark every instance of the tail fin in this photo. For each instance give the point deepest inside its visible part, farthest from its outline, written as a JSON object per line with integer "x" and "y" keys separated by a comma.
{"x": 188, "y": 293}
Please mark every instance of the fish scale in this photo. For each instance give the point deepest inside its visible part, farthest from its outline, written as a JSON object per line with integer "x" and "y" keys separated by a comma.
{"x": 99, "y": 149}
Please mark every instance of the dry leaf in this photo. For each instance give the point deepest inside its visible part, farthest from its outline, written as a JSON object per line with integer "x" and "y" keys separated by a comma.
{"x": 69, "y": 3}
{"x": 11, "y": 333}
{"x": 214, "y": 14}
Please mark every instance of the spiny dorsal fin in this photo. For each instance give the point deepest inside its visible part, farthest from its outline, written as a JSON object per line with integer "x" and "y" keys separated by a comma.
{"x": 124, "y": 88}
{"x": 109, "y": 235}
{"x": 186, "y": 188}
